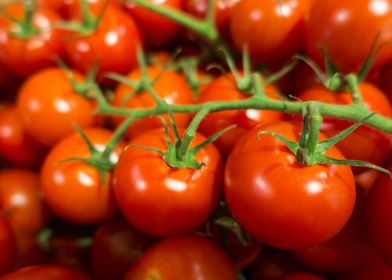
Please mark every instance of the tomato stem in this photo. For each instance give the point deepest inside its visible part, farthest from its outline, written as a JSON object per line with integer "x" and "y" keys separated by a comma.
{"x": 352, "y": 82}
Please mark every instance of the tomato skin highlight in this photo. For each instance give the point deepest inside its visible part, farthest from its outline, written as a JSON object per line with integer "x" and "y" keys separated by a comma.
{"x": 175, "y": 258}
{"x": 161, "y": 200}
{"x": 306, "y": 205}
{"x": 74, "y": 190}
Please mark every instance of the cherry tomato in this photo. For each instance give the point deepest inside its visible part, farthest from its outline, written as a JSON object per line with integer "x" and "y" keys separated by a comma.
{"x": 112, "y": 45}
{"x": 306, "y": 205}
{"x": 25, "y": 56}
{"x": 28, "y": 250}
{"x": 365, "y": 143}
{"x": 44, "y": 271}
{"x": 192, "y": 257}
{"x": 300, "y": 276}
{"x": 7, "y": 245}
{"x": 169, "y": 86}
{"x": 168, "y": 201}
{"x": 116, "y": 247}
{"x": 224, "y": 89}
{"x": 21, "y": 199}
{"x": 337, "y": 26}
{"x": 16, "y": 146}
{"x": 49, "y": 115}
{"x": 74, "y": 189}
{"x": 272, "y": 30}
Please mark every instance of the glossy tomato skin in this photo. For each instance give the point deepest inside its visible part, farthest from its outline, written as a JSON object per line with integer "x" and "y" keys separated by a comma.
{"x": 74, "y": 190}
{"x": 306, "y": 205}
{"x": 379, "y": 225}
{"x": 337, "y": 27}
{"x": 49, "y": 115}
{"x": 224, "y": 89}
{"x": 116, "y": 246}
{"x": 21, "y": 198}
{"x": 170, "y": 86}
{"x": 167, "y": 201}
{"x": 112, "y": 46}
{"x": 25, "y": 56}
{"x": 44, "y": 271}
{"x": 17, "y": 147}
{"x": 156, "y": 29}
{"x": 7, "y": 245}
{"x": 178, "y": 257}
{"x": 272, "y": 31}
{"x": 365, "y": 143}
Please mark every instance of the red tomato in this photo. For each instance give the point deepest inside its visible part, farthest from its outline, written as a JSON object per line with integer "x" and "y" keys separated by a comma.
{"x": 192, "y": 257}
{"x": 224, "y": 89}
{"x": 74, "y": 189}
{"x": 306, "y": 205}
{"x": 25, "y": 56}
{"x": 49, "y": 115}
{"x": 170, "y": 86}
{"x": 7, "y": 245}
{"x": 337, "y": 26}
{"x": 29, "y": 252}
{"x": 272, "y": 30}
{"x": 379, "y": 224}
{"x": 168, "y": 201}
{"x": 44, "y": 271}
{"x": 16, "y": 145}
{"x": 300, "y": 276}
{"x": 21, "y": 199}
{"x": 116, "y": 247}
{"x": 156, "y": 29}
{"x": 365, "y": 143}
{"x": 112, "y": 46}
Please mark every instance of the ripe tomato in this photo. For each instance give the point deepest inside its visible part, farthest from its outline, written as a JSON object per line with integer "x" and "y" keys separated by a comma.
{"x": 25, "y": 56}
{"x": 21, "y": 199}
{"x": 224, "y": 89}
{"x": 49, "y": 109}
{"x": 168, "y": 201}
{"x": 193, "y": 256}
{"x": 116, "y": 247}
{"x": 365, "y": 143}
{"x": 272, "y": 30}
{"x": 16, "y": 146}
{"x": 337, "y": 26}
{"x": 74, "y": 189}
{"x": 112, "y": 46}
{"x": 306, "y": 205}
{"x": 300, "y": 276}
{"x": 28, "y": 250}
{"x": 156, "y": 29}
{"x": 44, "y": 271}
{"x": 7, "y": 245}
{"x": 379, "y": 223}
{"x": 169, "y": 86}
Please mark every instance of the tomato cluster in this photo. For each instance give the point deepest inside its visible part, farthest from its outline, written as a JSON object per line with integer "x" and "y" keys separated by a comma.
{"x": 124, "y": 158}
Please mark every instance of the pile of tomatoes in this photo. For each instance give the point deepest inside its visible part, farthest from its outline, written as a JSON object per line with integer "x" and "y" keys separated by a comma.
{"x": 83, "y": 197}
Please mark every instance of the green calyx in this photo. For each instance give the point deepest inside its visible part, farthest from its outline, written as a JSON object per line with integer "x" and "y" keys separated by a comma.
{"x": 24, "y": 28}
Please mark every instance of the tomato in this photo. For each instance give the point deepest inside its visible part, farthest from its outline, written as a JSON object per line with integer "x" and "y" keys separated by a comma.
{"x": 156, "y": 29}
{"x": 379, "y": 223}
{"x": 49, "y": 115}
{"x": 74, "y": 190}
{"x": 224, "y": 89}
{"x": 168, "y": 201}
{"x": 365, "y": 143}
{"x": 21, "y": 199}
{"x": 16, "y": 146}
{"x": 192, "y": 257}
{"x": 306, "y": 205}
{"x": 169, "y": 86}
{"x": 28, "y": 250}
{"x": 112, "y": 45}
{"x": 272, "y": 30}
{"x": 25, "y": 56}
{"x": 337, "y": 26}
{"x": 116, "y": 247}
{"x": 44, "y": 271}
{"x": 348, "y": 250}
{"x": 300, "y": 276}
{"x": 7, "y": 245}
